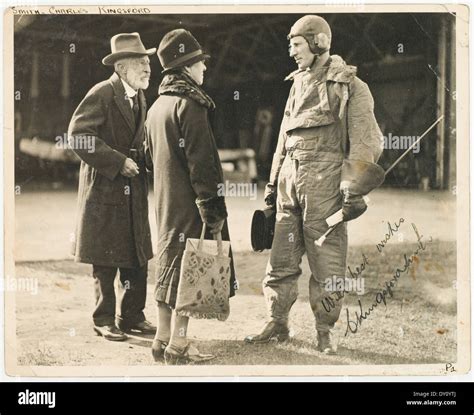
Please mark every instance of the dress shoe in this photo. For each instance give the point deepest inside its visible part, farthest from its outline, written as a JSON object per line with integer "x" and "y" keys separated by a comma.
{"x": 144, "y": 327}
{"x": 110, "y": 332}
{"x": 175, "y": 355}
{"x": 327, "y": 343}
{"x": 158, "y": 350}
{"x": 273, "y": 331}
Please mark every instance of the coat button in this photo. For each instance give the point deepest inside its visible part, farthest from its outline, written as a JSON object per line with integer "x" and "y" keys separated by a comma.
{"x": 287, "y": 113}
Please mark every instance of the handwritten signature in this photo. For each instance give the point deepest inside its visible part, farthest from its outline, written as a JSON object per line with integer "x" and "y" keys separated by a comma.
{"x": 353, "y": 325}
{"x": 329, "y": 301}
{"x": 391, "y": 231}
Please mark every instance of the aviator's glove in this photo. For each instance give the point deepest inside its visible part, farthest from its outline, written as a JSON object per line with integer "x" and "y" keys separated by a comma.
{"x": 352, "y": 207}
{"x": 270, "y": 195}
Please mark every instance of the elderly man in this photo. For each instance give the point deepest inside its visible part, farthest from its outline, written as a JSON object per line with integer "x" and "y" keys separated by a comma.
{"x": 328, "y": 136}
{"x": 113, "y": 232}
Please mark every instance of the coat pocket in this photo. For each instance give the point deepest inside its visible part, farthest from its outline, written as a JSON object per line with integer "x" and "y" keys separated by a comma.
{"x": 108, "y": 192}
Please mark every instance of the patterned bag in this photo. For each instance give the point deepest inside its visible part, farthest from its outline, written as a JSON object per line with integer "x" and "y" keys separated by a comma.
{"x": 204, "y": 282}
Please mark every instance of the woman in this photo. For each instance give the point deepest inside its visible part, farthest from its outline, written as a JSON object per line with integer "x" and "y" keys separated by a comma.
{"x": 187, "y": 171}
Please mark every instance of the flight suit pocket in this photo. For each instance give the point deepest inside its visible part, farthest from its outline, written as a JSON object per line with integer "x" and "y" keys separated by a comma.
{"x": 323, "y": 196}
{"x": 303, "y": 149}
{"x": 330, "y": 258}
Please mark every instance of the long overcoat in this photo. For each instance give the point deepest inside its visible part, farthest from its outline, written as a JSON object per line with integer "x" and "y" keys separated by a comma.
{"x": 187, "y": 173}
{"x": 112, "y": 220}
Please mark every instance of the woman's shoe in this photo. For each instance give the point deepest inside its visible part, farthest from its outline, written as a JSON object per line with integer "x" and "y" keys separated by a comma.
{"x": 175, "y": 355}
{"x": 158, "y": 349}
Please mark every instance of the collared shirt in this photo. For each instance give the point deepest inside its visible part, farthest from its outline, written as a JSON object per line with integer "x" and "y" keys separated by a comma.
{"x": 129, "y": 91}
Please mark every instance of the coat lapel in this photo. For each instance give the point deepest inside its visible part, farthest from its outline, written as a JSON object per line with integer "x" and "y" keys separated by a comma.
{"x": 122, "y": 102}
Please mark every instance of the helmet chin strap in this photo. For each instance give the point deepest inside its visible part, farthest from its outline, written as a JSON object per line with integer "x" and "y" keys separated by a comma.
{"x": 315, "y": 58}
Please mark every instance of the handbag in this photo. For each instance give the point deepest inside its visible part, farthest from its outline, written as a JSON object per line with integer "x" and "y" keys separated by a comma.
{"x": 204, "y": 280}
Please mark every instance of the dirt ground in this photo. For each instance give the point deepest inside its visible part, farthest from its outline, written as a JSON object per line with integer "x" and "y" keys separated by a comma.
{"x": 45, "y": 219}
{"x": 418, "y": 325}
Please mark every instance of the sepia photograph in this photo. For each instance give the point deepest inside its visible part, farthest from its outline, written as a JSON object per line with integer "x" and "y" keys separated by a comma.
{"x": 237, "y": 190}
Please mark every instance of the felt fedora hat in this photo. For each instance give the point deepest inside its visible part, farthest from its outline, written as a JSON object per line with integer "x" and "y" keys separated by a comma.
{"x": 179, "y": 48}
{"x": 126, "y": 45}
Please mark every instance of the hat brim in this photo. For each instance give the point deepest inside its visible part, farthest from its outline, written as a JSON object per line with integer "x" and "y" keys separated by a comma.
{"x": 263, "y": 228}
{"x": 114, "y": 57}
{"x": 191, "y": 61}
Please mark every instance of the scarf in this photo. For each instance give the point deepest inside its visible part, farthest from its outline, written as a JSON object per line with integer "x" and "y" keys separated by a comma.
{"x": 180, "y": 83}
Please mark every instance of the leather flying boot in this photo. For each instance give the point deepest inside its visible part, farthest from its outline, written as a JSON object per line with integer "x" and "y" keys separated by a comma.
{"x": 273, "y": 331}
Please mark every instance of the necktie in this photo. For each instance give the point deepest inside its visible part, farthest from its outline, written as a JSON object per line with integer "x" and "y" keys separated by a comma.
{"x": 135, "y": 108}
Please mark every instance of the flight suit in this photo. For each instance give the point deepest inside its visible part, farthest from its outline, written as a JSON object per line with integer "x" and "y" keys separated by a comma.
{"x": 329, "y": 117}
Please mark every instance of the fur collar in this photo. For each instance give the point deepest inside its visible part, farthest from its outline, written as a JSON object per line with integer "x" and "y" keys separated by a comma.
{"x": 179, "y": 83}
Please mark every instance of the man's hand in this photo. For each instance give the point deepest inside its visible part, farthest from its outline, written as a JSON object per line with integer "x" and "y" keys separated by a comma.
{"x": 129, "y": 168}
{"x": 216, "y": 227}
{"x": 270, "y": 195}
{"x": 353, "y": 207}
